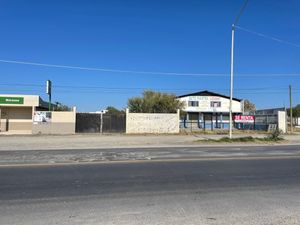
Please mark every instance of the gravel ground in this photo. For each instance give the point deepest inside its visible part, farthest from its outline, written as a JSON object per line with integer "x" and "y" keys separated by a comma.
{"x": 95, "y": 141}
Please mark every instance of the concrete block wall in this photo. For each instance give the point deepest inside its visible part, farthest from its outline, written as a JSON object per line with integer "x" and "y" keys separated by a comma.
{"x": 282, "y": 121}
{"x": 61, "y": 123}
{"x": 152, "y": 123}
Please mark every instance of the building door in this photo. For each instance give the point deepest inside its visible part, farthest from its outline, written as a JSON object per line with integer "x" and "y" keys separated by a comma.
{"x": 208, "y": 122}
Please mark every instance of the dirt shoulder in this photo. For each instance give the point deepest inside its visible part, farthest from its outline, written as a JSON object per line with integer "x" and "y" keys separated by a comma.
{"x": 96, "y": 141}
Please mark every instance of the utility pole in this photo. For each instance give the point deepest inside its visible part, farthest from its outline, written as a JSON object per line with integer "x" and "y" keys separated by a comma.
{"x": 231, "y": 81}
{"x": 231, "y": 65}
{"x": 291, "y": 108}
{"x": 49, "y": 92}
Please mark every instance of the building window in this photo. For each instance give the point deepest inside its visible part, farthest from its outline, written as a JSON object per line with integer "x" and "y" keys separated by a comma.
{"x": 193, "y": 103}
{"x": 215, "y": 104}
{"x": 225, "y": 117}
{"x": 193, "y": 116}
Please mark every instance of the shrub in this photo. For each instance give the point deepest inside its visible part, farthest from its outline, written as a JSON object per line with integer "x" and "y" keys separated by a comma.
{"x": 276, "y": 135}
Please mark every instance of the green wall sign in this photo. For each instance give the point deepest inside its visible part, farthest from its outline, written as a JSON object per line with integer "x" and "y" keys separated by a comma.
{"x": 11, "y": 100}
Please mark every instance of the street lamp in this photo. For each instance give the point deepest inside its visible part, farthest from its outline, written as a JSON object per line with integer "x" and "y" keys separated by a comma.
{"x": 231, "y": 65}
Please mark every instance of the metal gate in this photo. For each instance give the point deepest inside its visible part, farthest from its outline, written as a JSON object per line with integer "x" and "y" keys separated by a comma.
{"x": 88, "y": 122}
{"x": 100, "y": 123}
{"x": 114, "y": 123}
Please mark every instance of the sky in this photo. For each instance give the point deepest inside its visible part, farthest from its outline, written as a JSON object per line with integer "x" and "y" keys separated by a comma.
{"x": 185, "y": 37}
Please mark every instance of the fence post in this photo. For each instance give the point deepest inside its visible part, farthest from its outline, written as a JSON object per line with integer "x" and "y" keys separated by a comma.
{"x": 101, "y": 122}
{"x": 127, "y": 121}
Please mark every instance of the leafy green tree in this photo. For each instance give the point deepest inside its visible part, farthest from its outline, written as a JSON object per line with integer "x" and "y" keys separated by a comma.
{"x": 155, "y": 102}
{"x": 61, "y": 107}
{"x": 113, "y": 110}
{"x": 296, "y": 111}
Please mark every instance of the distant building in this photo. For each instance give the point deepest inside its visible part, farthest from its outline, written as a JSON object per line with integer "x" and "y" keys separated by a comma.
{"x": 276, "y": 117}
{"x": 273, "y": 111}
{"x": 210, "y": 110}
{"x": 103, "y": 111}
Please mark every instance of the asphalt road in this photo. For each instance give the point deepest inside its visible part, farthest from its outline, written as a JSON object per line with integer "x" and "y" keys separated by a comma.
{"x": 11, "y": 157}
{"x": 248, "y": 191}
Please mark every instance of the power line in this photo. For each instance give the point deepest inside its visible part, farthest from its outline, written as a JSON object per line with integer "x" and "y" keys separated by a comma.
{"x": 109, "y": 70}
{"x": 121, "y": 92}
{"x": 147, "y": 72}
{"x": 268, "y": 37}
{"x": 137, "y": 88}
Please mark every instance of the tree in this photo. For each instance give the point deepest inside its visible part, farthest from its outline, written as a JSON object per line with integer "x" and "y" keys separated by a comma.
{"x": 61, "y": 107}
{"x": 249, "y": 106}
{"x": 296, "y": 111}
{"x": 155, "y": 102}
{"x": 113, "y": 110}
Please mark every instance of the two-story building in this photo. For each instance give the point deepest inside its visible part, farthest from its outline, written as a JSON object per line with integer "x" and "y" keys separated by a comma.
{"x": 209, "y": 110}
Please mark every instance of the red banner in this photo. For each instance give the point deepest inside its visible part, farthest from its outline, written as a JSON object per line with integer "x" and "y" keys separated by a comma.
{"x": 244, "y": 119}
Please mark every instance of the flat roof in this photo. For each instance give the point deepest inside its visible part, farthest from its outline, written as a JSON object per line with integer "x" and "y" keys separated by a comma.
{"x": 22, "y": 100}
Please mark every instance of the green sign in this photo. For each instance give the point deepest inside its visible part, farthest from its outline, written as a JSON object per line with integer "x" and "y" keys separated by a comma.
{"x": 12, "y": 100}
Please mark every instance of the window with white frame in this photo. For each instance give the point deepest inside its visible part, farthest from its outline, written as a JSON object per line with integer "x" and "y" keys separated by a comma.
{"x": 215, "y": 104}
{"x": 193, "y": 103}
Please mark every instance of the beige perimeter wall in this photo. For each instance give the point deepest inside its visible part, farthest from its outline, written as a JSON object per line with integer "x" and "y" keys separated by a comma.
{"x": 61, "y": 123}
{"x": 154, "y": 123}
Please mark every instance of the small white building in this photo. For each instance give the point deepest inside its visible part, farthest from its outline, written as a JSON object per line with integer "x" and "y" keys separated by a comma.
{"x": 209, "y": 110}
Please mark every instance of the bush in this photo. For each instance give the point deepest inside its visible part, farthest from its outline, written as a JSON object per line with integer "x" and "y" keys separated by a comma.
{"x": 276, "y": 135}
{"x": 155, "y": 102}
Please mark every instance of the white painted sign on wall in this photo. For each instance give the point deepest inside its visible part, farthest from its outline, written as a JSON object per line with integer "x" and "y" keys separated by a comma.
{"x": 157, "y": 123}
{"x": 210, "y": 104}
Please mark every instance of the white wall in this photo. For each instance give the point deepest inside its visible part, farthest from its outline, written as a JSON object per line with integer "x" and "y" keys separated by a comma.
{"x": 205, "y": 104}
{"x": 282, "y": 124}
{"x": 297, "y": 121}
{"x": 154, "y": 123}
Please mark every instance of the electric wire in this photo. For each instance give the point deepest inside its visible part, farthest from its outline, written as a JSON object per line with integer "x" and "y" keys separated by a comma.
{"x": 132, "y": 72}
{"x": 268, "y": 37}
{"x": 109, "y": 70}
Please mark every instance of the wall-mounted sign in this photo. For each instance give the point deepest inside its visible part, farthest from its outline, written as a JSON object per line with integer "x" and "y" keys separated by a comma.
{"x": 42, "y": 117}
{"x": 213, "y": 104}
{"x": 11, "y": 100}
{"x": 244, "y": 119}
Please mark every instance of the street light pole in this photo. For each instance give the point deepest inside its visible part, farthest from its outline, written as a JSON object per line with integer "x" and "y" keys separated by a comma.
{"x": 231, "y": 81}
{"x": 231, "y": 65}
